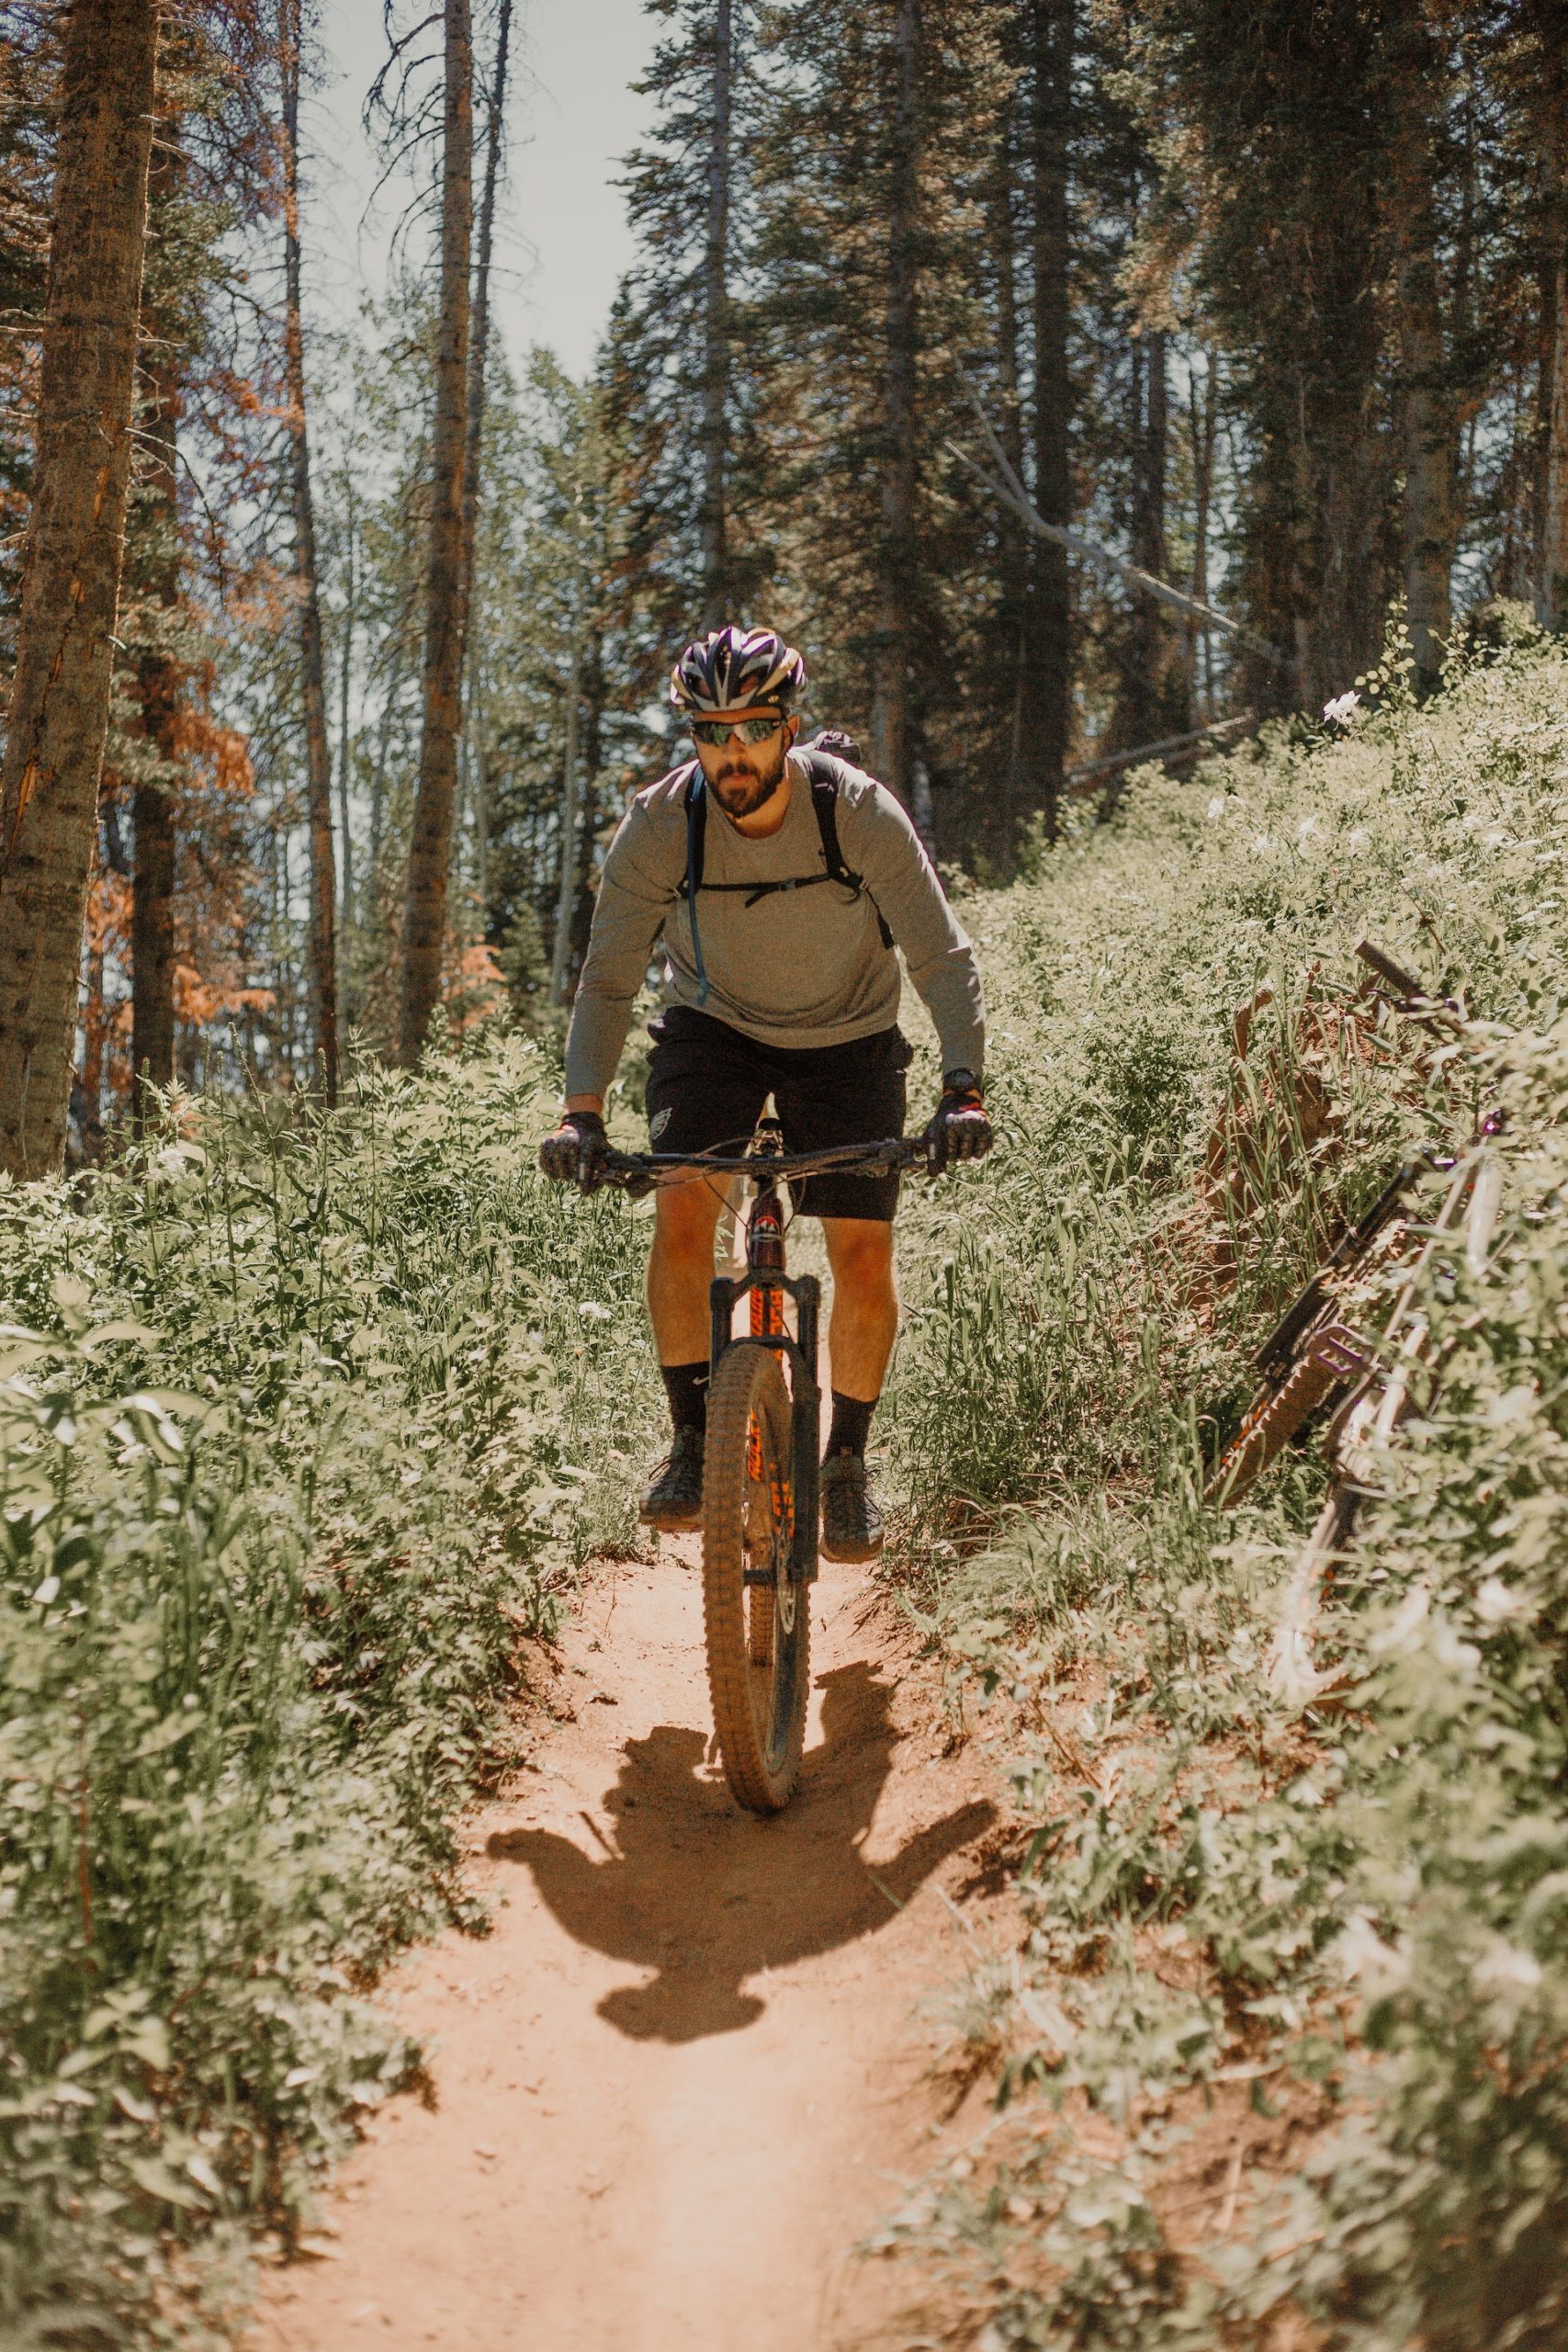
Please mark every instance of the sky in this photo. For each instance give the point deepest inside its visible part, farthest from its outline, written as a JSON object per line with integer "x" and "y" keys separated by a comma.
{"x": 561, "y": 236}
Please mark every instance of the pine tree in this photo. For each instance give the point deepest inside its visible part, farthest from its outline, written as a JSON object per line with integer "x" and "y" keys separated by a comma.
{"x": 60, "y": 699}
{"x": 430, "y": 850}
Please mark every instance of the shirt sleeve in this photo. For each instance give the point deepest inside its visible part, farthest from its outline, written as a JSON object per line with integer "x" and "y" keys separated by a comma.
{"x": 882, "y": 844}
{"x": 628, "y": 914}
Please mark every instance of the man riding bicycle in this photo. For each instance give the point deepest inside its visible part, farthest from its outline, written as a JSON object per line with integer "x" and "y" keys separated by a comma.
{"x": 774, "y": 987}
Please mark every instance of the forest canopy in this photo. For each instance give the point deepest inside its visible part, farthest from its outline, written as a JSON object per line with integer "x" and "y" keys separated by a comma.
{"x": 1268, "y": 308}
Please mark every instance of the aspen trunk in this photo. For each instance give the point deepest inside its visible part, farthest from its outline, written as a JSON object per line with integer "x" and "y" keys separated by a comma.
{"x": 479, "y": 341}
{"x": 1201, "y": 423}
{"x": 344, "y": 744}
{"x": 75, "y": 544}
{"x": 307, "y": 586}
{"x": 566, "y": 890}
{"x": 153, "y": 807}
{"x": 1551, "y": 552}
{"x": 892, "y": 726}
{"x": 1012, "y": 553}
{"x": 1048, "y": 667}
{"x": 711, "y": 522}
{"x": 430, "y": 851}
{"x": 158, "y": 683}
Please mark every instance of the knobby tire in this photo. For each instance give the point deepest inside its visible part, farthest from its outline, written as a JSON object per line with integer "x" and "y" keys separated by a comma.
{"x": 1268, "y": 1427}
{"x": 759, "y": 1635}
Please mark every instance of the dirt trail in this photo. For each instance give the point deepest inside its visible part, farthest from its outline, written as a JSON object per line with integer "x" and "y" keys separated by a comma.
{"x": 689, "y": 2068}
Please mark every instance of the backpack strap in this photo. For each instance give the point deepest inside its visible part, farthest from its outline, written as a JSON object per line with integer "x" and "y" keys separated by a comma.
{"x": 696, "y": 806}
{"x": 825, "y": 802}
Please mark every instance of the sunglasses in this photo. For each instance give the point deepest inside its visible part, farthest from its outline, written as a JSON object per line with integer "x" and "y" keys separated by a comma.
{"x": 717, "y": 731}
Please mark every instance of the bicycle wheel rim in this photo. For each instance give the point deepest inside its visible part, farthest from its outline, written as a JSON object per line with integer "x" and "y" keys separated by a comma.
{"x": 758, "y": 1634}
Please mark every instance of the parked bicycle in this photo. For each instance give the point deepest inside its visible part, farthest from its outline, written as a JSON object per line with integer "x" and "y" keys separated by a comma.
{"x": 759, "y": 1477}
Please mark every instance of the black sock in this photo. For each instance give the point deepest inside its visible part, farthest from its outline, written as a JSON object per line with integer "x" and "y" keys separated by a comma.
{"x": 850, "y": 1424}
{"x": 686, "y": 1385}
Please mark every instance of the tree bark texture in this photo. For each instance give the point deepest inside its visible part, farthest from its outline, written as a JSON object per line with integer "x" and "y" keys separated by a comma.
{"x": 74, "y": 550}
{"x": 1550, "y": 550}
{"x": 307, "y": 589}
{"x": 566, "y": 890}
{"x": 711, "y": 434}
{"x": 1047, "y": 654}
{"x": 479, "y": 340}
{"x": 1152, "y": 703}
{"x": 1427, "y": 409}
{"x": 892, "y": 726}
{"x": 1012, "y": 548}
{"x": 158, "y": 685}
{"x": 430, "y": 850}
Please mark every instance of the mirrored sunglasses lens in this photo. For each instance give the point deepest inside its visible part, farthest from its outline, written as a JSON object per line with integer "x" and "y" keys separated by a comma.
{"x": 719, "y": 731}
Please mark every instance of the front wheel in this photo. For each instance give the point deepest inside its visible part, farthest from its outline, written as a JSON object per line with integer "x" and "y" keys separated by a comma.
{"x": 759, "y": 1633}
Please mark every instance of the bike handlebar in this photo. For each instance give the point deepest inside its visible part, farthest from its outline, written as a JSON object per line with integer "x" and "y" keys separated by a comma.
{"x": 648, "y": 1171}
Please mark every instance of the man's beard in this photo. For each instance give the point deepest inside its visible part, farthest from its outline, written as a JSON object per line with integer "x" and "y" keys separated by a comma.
{"x": 757, "y": 789}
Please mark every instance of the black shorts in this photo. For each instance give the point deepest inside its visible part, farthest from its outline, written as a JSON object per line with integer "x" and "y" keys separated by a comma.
{"x": 707, "y": 1083}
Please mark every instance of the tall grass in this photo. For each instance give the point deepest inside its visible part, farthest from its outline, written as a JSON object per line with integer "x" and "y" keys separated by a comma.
{"x": 1359, "y": 1912}
{"x": 305, "y": 1422}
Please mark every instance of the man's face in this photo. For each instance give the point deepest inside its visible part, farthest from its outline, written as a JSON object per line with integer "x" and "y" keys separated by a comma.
{"x": 743, "y": 777}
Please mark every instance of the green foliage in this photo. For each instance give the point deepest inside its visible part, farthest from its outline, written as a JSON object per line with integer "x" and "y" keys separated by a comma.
{"x": 305, "y": 1424}
{"x": 1359, "y": 1911}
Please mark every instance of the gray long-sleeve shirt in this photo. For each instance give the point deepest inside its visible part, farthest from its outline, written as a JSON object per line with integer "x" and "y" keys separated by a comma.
{"x": 798, "y": 968}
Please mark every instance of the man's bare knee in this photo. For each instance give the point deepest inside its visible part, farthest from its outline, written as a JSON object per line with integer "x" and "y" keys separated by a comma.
{"x": 685, "y": 1216}
{"x": 860, "y": 1250}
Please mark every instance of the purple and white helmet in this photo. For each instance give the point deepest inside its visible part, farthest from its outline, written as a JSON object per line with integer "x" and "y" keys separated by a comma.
{"x": 734, "y": 669}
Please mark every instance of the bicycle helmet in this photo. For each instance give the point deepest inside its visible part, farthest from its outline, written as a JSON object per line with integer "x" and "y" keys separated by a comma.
{"x": 732, "y": 668}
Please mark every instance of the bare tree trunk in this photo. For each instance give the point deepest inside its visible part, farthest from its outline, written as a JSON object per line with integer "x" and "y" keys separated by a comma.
{"x": 344, "y": 743}
{"x": 712, "y": 518}
{"x": 430, "y": 851}
{"x": 566, "y": 894}
{"x": 1550, "y": 552}
{"x": 1012, "y": 554}
{"x": 1202, "y": 415}
{"x": 307, "y": 586}
{"x": 155, "y": 527}
{"x": 892, "y": 726}
{"x": 1048, "y": 660}
{"x": 479, "y": 341}
{"x": 76, "y": 546}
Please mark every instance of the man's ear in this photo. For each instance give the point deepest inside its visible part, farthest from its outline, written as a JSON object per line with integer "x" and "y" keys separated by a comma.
{"x": 792, "y": 728}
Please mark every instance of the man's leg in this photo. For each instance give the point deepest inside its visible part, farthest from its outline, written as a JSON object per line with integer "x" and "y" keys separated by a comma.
{"x": 680, "y": 1269}
{"x": 866, "y": 1305}
{"x": 860, "y": 1340}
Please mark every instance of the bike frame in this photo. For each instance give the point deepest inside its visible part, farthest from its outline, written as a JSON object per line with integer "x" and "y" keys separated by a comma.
{"x": 767, "y": 1284}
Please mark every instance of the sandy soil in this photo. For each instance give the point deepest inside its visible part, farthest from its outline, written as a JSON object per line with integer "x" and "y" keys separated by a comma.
{"x": 694, "y": 2063}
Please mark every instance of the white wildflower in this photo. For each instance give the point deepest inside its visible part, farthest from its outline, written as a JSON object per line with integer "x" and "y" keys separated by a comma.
{"x": 1363, "y": 1957}
{"x": 1504, "y": 1965}
{"x": 1340, "y": 711}
{"x": 1497, "y": 1603}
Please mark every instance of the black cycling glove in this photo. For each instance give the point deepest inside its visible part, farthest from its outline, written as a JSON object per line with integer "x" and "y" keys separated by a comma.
{"x": 576, "y": 1152}
{"x": 960, "y": 1129}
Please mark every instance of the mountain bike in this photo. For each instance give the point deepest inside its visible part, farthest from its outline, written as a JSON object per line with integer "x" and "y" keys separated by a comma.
{"x": 760, "y": 1474}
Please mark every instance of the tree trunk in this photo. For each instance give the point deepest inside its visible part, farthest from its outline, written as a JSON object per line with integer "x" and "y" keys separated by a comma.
{"x": 565, "y": 893}
{"x": 1152, "y": 703}
{"x": 344, "y": 744}
{"x": 1202, "y": 414}
{"x": 892, "y": 726}
{"x": 307, "y": 585}
{"x": 1047, "y": 657}
{"x": 711, "y": 437}
{"x": 430, "y": 850}
{"x": 479, "y": 341}
{"x": 158, "y": 682}
{"x": 1012, "y": 551}
{"x": 1551, "y": 552}
{"x": 76, "y": 546}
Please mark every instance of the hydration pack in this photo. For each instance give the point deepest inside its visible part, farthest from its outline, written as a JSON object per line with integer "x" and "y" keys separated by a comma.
{"x": 824, "y": 806}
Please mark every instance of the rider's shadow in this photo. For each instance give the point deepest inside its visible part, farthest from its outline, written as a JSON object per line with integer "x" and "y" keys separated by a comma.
{"x": 708, "y": 1897}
